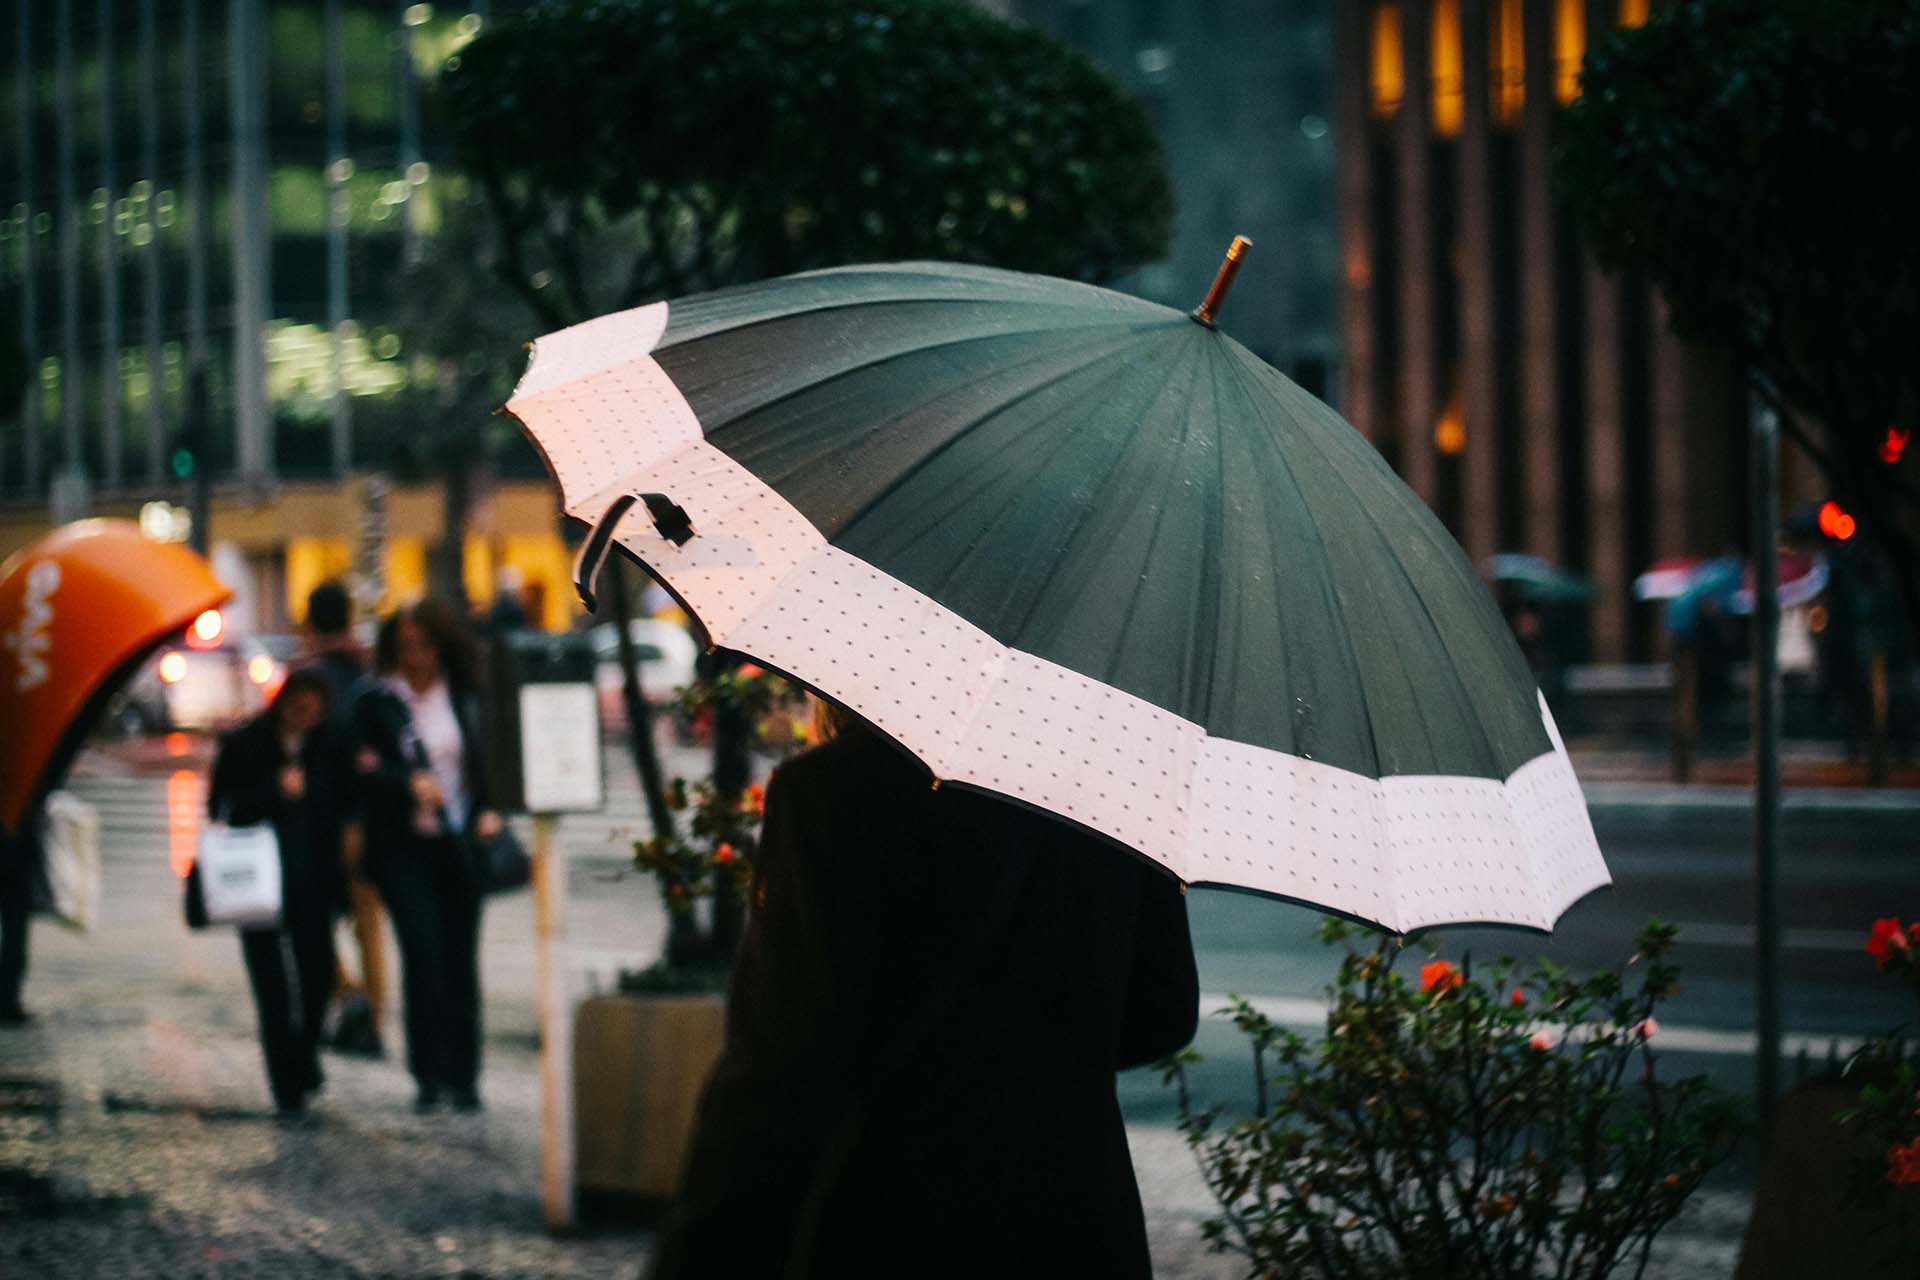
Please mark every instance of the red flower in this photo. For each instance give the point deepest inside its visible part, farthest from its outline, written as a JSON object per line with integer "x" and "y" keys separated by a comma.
{"x": 749, "y": 670}
{"x": 1518, "y": 999}
{"x": 756, "y": 798}
{"x": 1440, "y": 974}
{"x": 1903, "y": 1163}
{"x": 1540, "y": 1042}
{"x": 1645, "y": 1029}
{"x": 723, "y": 852}
{"x": 1888, "y": 939}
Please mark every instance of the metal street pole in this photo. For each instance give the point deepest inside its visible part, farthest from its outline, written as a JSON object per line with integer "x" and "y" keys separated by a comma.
{"x": 1766, "y": 747}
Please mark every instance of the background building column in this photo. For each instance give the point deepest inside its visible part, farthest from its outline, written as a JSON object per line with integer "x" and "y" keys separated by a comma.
{"x": 1539, "y": 326}
{"x": 1419, "y": 357}
{"x": 246, "y": 95}
{"x": 1479, "y": 351}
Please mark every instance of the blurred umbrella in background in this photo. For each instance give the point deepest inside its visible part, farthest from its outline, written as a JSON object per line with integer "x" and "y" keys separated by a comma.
{"x": 79, "y": 610}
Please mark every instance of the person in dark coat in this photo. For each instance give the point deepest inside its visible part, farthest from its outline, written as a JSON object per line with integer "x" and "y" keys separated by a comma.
{"x": 336, "y": 655}
{"x": 424, "y": 793}
{"x": 284, "y": 767}
{"x": 931, "y": 999}
{"x": 20, "y": 871}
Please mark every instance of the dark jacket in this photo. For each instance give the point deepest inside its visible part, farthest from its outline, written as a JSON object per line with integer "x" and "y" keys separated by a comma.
{"x": 382, "y": 722}
{"x": 245, "y": 789}
{"x": 932, "y": 997}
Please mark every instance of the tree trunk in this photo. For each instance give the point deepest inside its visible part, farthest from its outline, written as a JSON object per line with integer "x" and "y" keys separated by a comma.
{"x": 448, "y": 577}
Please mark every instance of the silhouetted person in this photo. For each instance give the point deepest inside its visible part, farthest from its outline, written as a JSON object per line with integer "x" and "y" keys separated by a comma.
{"x": 285, "y": 767}
{"x": 934, "y": 992}
{"x": 336, "y": 655}
{"x": 20, "y": 855}
{"x": 424, "y": 773}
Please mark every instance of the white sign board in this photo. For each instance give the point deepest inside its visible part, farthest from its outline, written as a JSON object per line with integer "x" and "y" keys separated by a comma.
{"x": 560, "y": 766}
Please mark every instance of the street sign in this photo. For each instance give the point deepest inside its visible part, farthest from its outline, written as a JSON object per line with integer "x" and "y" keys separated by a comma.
{"x": 560, "y": 766}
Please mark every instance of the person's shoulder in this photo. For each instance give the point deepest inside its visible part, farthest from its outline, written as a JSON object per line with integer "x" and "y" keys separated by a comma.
{"x": 856, "y": 757}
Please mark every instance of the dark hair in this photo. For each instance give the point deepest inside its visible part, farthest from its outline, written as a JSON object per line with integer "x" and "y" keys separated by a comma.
{"x": 303, "y": 680}
{"x": 459, "y": 662}
{"x": 329, "y": 610}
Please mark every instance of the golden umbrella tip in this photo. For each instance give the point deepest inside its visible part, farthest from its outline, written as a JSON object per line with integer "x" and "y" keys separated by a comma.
{"x": 1222, "y": 282}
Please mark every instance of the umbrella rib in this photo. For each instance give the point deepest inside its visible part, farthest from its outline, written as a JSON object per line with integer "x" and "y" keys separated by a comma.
{"x": 920, "y": 464}
{"x": 1335, "y": 608}
{"x": 1073, "y": 532}
{"x": 866, "y": 366}
{"x": 1153, "y": 539}
{"x": 672, "y": 341}
{"x": 1492, "y": 629}
{"x": 1426, "y": 612}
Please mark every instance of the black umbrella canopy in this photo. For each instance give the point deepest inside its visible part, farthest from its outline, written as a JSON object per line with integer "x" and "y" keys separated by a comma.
{"x": 1079, "y": 549}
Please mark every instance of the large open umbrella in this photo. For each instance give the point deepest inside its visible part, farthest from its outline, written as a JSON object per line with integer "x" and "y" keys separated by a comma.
{"x": 78, "y": 610}
{"x": 1085, "y": 552}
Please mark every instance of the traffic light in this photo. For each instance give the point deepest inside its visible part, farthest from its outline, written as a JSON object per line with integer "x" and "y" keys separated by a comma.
{"x": 183, "y": 463}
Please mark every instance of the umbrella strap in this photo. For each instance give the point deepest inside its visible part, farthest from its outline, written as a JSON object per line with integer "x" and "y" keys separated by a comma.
{"x": 897, "y": 1052}
{"x": 670, "y": 521}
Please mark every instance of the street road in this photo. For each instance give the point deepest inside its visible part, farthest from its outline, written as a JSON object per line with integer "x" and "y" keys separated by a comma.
{"x": 1682, "y": 854}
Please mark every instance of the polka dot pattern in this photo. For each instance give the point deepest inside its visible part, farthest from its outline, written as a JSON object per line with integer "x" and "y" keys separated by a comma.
{"x": 1457, "y": 855}
{"x": 1270, "y": 821}
{"x": 1402, "y": 852}
{"x": 1094, "y": 754}
{"x": 918, "y": 671}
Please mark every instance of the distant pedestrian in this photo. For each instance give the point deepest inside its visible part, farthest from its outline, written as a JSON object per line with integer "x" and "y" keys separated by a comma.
{"x": 932, "y": 997}
{"x": 285, "y": 767}
{"x": 336, "y": 655}
{"x": 423, "y": 773}
{"x": 20, "y": 861}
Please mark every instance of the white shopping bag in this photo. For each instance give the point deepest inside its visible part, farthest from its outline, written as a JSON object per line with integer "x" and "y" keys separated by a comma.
{"x": 239, "y": 871}
{"x": 72, "y": 860}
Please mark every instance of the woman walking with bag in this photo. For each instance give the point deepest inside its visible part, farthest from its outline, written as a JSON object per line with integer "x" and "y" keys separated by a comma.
{"x": 283, "y": 767}
{"x": 423, "y": 766}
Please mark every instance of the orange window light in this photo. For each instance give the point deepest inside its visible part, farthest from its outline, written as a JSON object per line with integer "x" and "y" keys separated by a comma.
{"x": 1444, "y": 67}
{"x": 1633, "y": 13}
{"x": 1506, "y": 62}
{"x": 1386, "y": 61}
{"x": 1569, "y": 47}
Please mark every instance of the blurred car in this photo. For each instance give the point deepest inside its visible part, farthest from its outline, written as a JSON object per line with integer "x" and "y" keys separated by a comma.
{"x": 207, "y": 679}
{"x": 665, "y": 652}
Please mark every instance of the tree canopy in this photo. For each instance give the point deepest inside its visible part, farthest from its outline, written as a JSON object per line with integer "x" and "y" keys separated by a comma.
{"x": 630, "y": 150}
{"x": 1756, "y": 160}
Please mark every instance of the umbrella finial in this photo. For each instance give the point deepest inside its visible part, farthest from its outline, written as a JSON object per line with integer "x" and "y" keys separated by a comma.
{"x": 1222, "y": 281}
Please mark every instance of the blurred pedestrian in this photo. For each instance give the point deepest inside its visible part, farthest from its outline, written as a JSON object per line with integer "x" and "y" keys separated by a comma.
{"x": 336, "y": 655}
{"x": 20, "y": 855}
{"x": 285, "y": 767}
{"x": 423, "y": 771}
{"x": 932, "y": 997}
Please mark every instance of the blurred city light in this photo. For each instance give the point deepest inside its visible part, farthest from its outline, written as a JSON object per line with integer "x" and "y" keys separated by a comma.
{"x": 1894, "y": 445}
{"x": 208, "y": 626}
{"x": 1835, "y": 522}
{"x": 173, "y": 667}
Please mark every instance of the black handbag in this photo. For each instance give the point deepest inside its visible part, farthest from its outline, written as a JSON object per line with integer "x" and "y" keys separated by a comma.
{"x": 499, "y": 865}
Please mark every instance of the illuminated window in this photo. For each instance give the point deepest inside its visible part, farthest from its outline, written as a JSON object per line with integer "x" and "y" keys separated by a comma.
{"x": 1450, "y": 432}
{"x": 1633, "y": 13}
{"x": 1506, "y": 62}
{"x": 1569, "y": 47}
{"x": 1444, "y": 67}
{"x": 1389, "y": 73}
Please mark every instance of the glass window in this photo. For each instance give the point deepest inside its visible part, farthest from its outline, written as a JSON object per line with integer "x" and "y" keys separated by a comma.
{"x": 1569, "y": 47}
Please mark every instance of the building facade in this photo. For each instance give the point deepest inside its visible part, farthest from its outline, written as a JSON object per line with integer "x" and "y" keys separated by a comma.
{"x": 1536, "y": 403}
{"x": 203, "y": 207}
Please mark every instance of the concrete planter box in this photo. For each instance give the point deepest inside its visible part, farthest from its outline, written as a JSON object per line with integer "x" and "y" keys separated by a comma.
{"x": 640, "y": 1064}
{"x": 1802, "y": 1226}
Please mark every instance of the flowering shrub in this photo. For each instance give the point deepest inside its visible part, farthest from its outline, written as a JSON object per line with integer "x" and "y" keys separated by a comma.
{"x": 1887, "y": 1113}
{"x": 1509, "y": 1124}
{"x": 712, "y": 852}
